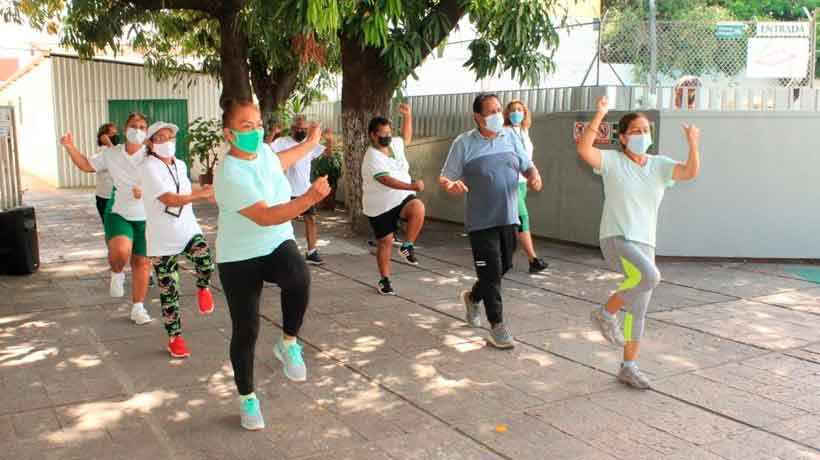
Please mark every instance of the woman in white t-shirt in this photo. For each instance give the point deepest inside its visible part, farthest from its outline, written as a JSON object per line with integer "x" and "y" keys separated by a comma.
{"x": 634, "y": 185}
{"x": 106, "y": 137}
{"x": 517, "y": 118}
{"x": 171, "y": 229}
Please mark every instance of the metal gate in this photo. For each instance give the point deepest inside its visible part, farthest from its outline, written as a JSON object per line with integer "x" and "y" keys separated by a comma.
{"x": 11, "y": 192}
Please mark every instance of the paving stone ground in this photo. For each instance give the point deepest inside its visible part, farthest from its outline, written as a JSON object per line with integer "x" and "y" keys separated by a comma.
{"x": 733, "y": 350}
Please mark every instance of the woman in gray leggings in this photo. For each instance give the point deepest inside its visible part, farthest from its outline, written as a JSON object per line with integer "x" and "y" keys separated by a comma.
{"x": 634, "y": 184}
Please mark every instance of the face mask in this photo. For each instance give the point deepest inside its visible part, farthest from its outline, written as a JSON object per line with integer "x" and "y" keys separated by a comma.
{"x": 135, "y": 136}
{"x": 495, "y": 122}
{"x": 166, "y": 150}
{"x": 385, "y": 141}
{"x": 249, "y": 141}
{"x": 516, "y": 117}
{"x": 299, "y": 135}
{"x": 114, "y": 138}
{"x": 639, "y": 143}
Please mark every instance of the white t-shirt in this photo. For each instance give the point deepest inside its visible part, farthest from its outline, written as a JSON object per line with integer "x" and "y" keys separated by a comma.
{"x": 299, "y": 173}
{"x": 125, "y": 173}
{"x": 105, "y": 185}
{"x": 165, "y": 234}
{"x": 633, "y": 195}
{"x": 377, "y": 198}
{"x": 524, "y": 135}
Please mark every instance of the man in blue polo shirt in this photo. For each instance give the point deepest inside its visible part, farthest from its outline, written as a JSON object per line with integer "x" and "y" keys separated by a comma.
{"x": 484, "y": 163}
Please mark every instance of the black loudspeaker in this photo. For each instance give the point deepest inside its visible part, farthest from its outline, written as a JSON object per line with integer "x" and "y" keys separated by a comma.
{"x": 19, "y": 248}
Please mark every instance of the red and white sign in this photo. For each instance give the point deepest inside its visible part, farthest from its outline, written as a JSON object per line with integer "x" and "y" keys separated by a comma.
{"x": 604, "y": 136}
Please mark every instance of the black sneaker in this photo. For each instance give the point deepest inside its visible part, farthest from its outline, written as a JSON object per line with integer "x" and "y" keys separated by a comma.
{"x": 408, "y": 252}
{"x": 538, "y": 265}
{"x": 313, "y": 258}
{"x": 385, "y": 288}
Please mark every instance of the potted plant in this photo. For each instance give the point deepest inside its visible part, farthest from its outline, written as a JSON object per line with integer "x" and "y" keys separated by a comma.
{"x": 204, "y": 140}
{"x": 330, "y": 166}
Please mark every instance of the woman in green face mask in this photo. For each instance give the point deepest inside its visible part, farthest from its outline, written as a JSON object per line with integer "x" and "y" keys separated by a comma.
{"x": 517, "y": 118}
{"x": 255, "y": 243}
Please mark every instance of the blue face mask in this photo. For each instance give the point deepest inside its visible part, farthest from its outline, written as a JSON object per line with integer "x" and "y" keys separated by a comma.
{"x": 639, "y": 143}
{"x": 516, "y": 118}
{"x": 495, "y": 122}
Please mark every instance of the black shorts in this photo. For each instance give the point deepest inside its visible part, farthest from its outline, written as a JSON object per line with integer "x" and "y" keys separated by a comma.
{"x": 311, "y": 211}
{"x": 387, "y": 223}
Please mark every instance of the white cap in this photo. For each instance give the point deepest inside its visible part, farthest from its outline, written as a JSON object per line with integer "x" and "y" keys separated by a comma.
{"x": 161, "y": 125}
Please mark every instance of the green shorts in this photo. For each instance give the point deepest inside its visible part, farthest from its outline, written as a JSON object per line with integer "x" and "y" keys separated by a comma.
{"x": 134, "y": 230}
{"x": 523, "y": 213}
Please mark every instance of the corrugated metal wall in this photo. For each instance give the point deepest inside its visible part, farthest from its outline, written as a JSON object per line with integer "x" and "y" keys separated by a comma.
{"x": 82, "y": 90}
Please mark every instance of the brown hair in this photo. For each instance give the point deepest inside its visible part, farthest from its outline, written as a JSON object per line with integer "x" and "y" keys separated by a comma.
{"x": 625, "y": 121}
{"x": 527, "y": 117}
{"x": 231, "y": 106}
{"x": 104, "y": 130}
{"x": 136, "y": 116}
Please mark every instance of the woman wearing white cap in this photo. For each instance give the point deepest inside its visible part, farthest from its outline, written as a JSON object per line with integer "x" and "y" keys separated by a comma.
{"x": 172, "y": 229}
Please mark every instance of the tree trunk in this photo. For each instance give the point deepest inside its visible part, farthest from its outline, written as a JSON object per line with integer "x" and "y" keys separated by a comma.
{"x": 366, "y": 93}
{"x": 272, "y": 88}
{"x": 234, "y": 54}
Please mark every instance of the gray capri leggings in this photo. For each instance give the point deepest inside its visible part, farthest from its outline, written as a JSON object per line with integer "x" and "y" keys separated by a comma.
{"x": 637, "y": 262}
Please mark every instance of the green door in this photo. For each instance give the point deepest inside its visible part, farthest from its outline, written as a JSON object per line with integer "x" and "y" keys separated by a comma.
{"x": 171, "y": 110}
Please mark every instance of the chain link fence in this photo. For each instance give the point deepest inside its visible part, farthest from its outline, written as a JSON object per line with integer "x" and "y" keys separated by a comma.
{"x": 727, "y": 53}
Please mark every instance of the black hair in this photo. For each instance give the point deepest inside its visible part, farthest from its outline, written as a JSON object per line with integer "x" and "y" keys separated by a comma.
{"x": 136, "y": 116}
{"x": 231, "y": 106}
{"x": 376, "y": 123}
{"x": 478, "y": 102}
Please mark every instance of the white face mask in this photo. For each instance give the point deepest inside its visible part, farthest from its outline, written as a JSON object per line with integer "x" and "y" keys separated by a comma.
{"x": 166, "y": 150}
{"x": 135, "y": 136}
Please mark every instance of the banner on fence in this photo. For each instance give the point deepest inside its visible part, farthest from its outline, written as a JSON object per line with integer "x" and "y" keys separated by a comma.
{"x": 777, "y": 58}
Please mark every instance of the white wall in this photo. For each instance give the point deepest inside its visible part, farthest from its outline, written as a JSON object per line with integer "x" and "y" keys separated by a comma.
{"x": 82, "y": 90}
{"x": 758, "y": 192}
{"x": 33, "y": 101}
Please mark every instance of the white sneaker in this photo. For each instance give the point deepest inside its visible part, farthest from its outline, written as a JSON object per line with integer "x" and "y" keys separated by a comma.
{"x": 117, "y": 285}
{"x": 139, "y": 316}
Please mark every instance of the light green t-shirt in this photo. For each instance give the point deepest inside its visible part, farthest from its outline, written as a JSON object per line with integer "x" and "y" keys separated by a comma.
{"x": 239, "y": 184}
{"x": 633, "y": 195}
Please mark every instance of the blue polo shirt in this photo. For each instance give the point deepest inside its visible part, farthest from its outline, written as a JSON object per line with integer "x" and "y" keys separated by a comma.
{"x": 489, "y": 168}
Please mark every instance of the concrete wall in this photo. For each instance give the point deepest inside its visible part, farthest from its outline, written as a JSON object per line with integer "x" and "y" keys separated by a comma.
{"x": 758, "y": 194}
{"x": 33, "y": 101}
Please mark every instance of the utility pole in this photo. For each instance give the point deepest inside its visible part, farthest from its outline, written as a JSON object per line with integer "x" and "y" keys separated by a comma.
{"x": 653, "y": 48}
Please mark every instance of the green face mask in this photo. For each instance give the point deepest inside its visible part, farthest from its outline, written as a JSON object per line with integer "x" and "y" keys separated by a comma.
{"x": 249, "y": 141}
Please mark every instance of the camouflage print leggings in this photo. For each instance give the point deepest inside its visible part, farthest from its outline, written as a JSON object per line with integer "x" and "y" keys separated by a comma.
{"x": 167, "y": 270}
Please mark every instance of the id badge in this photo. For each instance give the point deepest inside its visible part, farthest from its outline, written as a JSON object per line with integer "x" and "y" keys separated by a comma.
{"x": 176, "y": 212}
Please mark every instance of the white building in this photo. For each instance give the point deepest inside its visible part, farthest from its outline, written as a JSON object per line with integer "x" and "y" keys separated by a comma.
{"x": 56, "y": 93}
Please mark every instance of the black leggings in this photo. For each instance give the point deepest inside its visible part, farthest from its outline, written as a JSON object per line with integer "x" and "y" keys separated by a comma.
{"x": 493, "y": 251}
{"x": 101, "y": 205}
{"x": 242, "y": 282}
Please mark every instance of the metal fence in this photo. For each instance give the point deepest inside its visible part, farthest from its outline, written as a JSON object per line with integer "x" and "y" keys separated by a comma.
{"x": 448, "y": 114}
{"x": 11, "y": 193}
{"x": 781, "y": 52}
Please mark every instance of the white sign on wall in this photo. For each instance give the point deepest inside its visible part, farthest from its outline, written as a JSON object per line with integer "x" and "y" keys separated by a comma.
{"x": 783, "y": 29}
{"x": 777, "y": 58}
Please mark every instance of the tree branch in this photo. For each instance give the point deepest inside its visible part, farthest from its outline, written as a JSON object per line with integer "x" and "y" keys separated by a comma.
{"x": 212, "y": 7}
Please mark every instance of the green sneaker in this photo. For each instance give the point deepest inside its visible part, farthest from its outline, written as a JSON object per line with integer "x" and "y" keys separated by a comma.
{"x": 292, "y": 363}
{"x": 250, "y": 414}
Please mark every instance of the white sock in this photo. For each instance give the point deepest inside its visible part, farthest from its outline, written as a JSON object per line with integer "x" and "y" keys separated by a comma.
{"x": 139, "y": 305}
{"x": 286, "y": 341}
{"x": 607, "y": 314}
{"x": 312, "y": 251}
{"x": 246, "y": 397}
{"x": 118, "y": 277}
{"x": 631, "y": 364}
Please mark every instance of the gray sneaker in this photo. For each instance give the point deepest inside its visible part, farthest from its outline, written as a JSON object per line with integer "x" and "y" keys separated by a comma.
{"x": 292, "y": 363}
{"x": 500, "y": 338}
{"x": 473, "y": 312}
{"x": 633, "y": 377}
{"x": 608, "y": 326}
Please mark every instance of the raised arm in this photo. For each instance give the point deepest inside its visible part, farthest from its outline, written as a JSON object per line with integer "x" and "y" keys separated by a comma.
{"x": 265, "y": 216}
{"x": 406, "y": 123}
{"x": 77, "y": 157}
{"x": 586, "y": 150}
{"x": 392, "y": 182}
{"x": 290, "y": 156}
{"x": 691, "y": 168}
{"x": 175, "y": 200}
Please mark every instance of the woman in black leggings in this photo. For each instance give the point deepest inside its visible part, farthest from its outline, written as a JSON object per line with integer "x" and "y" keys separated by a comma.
{"x": 255, "y": 243}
